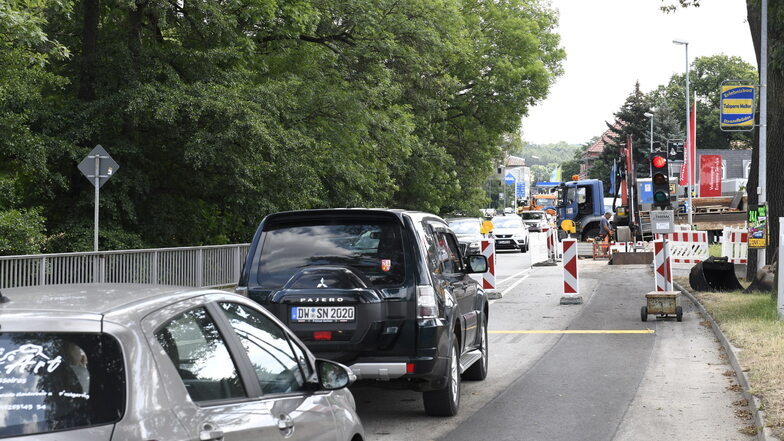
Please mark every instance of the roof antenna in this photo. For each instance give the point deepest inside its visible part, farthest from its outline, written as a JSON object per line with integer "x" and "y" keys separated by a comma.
{"x": 3, "y": 299}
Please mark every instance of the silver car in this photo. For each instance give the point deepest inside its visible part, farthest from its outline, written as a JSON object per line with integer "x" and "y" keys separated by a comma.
{"x": 144, "y": 362}
{"x": 510, "y": 233}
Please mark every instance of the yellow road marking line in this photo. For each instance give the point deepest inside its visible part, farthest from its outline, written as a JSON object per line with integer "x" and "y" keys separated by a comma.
{"x": 578, "y": 331}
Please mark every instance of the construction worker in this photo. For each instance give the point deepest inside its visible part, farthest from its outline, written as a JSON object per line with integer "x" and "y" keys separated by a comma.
{"x": 605, "y": 230}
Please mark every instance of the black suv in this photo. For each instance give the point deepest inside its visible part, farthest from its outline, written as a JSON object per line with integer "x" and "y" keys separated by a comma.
{"x": 386, "y": 292}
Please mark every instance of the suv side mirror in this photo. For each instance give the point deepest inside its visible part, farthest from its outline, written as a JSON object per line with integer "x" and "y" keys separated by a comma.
{"x": 333, "y": 376}
{"x": 477, "y": 264}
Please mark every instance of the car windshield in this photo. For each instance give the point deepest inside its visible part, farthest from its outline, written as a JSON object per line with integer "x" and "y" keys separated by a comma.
{"x": 532, "y": 216}
{"x": 507, "y": 222}
{"x": 59, "y": 381}
{"x": 374, "y": 249}
{"x": 465, "y": 226}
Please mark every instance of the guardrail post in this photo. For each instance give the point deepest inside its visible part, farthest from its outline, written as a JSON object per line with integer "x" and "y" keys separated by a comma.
{"x": 102, "y": 263}
{"x": 200, "y": 267}
{"x": 42, "y": 271}
{"x": 154, "y": 269}
{"x": 237, "y": 264}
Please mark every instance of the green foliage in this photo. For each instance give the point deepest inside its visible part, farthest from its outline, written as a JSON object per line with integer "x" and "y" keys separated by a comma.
{"x": 21, "y": 232}
{"x": 632, "y": 123}
{"x": 222, "y": 112}
{"x": 76, "y": 237}
{"x": 705, "y": 77}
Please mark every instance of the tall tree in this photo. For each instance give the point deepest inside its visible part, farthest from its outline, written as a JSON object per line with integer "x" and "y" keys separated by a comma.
{"x": 633, "y": 123}
{"x": 222, "y": 112}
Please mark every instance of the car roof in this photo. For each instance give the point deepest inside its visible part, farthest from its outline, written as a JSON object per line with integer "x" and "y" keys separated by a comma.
{"x": 284, "y": 215}
{"x": 98, "y": 299}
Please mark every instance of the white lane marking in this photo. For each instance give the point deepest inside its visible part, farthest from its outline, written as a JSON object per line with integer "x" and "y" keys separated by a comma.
{"x": 504, "y": 292}
{"x": 513, "y": 276}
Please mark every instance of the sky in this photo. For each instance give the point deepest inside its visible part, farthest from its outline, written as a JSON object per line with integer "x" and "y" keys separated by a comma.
{"x": 611, "y": 44}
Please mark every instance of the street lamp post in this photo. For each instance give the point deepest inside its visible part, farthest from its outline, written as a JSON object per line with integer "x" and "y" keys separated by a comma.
{"x": 692, "y": 155}
{"x": 650, "y": 115}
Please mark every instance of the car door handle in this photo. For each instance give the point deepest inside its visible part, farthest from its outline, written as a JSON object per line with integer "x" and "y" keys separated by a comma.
{"x": 210, "y": 435}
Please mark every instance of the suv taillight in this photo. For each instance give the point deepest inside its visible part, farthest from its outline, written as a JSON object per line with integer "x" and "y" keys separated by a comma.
{"x": 427, "y": 307}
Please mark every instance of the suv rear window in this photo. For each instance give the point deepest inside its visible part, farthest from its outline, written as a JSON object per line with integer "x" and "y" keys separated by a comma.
{"x": 532, "y": 216}
{"x": 373, "y": 248}
{"x": 59, "y": 381}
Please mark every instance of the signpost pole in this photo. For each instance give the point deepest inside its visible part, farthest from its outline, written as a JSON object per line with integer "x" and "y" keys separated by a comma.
{"x": 763, "y": 127}
{"x": 97, "y": 198}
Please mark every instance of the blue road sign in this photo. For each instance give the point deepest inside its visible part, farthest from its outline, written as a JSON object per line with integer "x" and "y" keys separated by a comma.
{"x": 520, "y": 189}
{"x": 509, "y": 179}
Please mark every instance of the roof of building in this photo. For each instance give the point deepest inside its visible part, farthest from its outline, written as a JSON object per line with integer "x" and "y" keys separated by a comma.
{"x": 597, "y": 147}
{"x": 515, "y": 161}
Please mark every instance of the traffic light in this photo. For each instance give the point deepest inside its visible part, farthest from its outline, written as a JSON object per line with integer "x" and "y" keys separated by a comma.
{"x": 661, "y": 181}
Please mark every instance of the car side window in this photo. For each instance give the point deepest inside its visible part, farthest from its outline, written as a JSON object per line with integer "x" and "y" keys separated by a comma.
{"x": 279, "y": 367}
{"x": 430, "y": 244}
{"x": 199, "y": 353}
{"x": 448, "y": 253}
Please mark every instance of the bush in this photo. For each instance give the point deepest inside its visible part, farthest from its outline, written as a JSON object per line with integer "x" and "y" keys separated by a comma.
{"x": 79, "y": 237}
{"x": 21, "y": 232}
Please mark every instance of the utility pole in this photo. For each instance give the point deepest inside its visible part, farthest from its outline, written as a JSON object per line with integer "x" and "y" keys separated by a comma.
{"x": 763, "y": 128}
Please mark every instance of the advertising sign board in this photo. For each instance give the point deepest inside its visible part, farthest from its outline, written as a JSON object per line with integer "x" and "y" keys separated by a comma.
{"x": 737, "y": 107}
{"x": 710, "y": 175}
{"x": 758, "y": 227}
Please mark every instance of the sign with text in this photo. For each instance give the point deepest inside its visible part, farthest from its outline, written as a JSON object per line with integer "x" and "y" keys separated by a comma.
{"x": 520, "y": 189}
{"x": 737, "y": 107}
{"x": 662, "y": 221}
{"x": 509, "y": 179}
{"x": 710, "y": 175}
{"x": 758, "y": 227}
{"x": 675, "y": 150}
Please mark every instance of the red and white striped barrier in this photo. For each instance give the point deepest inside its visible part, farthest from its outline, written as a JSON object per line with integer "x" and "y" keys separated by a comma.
{"x": 662, "y": 266}
{"x": 687, "y": 247}
{"x": 570, "y": 277}
{"x": 735, "y": 244}
{"x": 553, "y": 253}
{"x": 488, "y": 277}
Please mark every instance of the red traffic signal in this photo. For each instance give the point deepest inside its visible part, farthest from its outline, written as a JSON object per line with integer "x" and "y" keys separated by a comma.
{"x": 659, "y": 162}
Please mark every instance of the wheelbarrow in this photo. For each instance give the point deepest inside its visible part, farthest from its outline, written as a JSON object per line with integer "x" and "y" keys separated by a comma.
{"x": 662, "y": 303}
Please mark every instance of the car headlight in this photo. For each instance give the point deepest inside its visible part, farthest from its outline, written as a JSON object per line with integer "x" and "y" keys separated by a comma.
{"x": 518, "y": 236}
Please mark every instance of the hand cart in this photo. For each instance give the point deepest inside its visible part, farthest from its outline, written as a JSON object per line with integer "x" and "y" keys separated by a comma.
{"x": 663, "y": 303}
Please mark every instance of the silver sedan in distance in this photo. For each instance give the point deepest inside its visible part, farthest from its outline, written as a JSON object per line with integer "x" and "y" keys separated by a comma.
{"x": 146, "y": 362}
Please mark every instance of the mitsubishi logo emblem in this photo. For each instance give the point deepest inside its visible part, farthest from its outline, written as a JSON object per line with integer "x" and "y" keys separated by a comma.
{"x": 321, "y": 284}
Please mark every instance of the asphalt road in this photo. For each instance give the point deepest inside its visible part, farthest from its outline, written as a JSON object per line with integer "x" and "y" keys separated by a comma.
{"x": 555, "y": 386}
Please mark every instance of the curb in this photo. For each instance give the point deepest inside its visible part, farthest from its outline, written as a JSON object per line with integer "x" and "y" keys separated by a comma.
{"x": 766, "y": 434}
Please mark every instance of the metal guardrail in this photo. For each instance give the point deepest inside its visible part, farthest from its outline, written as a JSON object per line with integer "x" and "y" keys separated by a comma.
{"x": 204, "y": 266}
